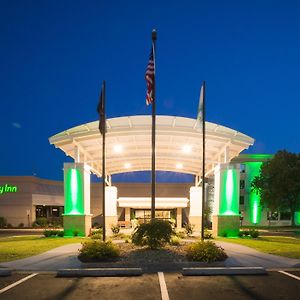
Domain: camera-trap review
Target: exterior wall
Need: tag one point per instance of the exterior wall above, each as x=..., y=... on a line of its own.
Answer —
x=19, y=207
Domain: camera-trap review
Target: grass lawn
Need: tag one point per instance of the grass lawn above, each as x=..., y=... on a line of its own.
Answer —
x=278, y=245
x=12, y=248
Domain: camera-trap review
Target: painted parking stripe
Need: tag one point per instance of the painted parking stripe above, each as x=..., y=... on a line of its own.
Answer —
x=163, y=286
x=17, y=283
x=288, y=274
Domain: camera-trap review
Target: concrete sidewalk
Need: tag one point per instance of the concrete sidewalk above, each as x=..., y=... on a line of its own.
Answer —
x=65, y=257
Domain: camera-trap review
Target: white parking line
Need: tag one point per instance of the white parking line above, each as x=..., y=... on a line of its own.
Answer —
x=288, y=274
x=163, y=286
x=17, y=283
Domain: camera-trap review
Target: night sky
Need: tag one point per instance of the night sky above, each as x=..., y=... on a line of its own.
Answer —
x=55, y=54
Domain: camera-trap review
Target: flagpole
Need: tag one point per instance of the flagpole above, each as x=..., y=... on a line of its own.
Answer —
x=154, y=37
x=103, y=126
x=203, y=161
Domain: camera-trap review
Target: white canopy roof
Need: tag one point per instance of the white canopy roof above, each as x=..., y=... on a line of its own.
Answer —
x=128, y=144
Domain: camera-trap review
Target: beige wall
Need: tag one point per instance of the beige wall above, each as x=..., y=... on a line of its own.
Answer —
x=14, y=206
x=36, y=191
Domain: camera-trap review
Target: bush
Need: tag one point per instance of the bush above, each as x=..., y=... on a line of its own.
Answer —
x=181, y=234
x=75, y=232
x=60, y=233
x=208, y=235
x=3, y=222
x=189, y=229
x=49, y=233
x=42, y=222
x=52, y=232
x=254, y=233
x=97, y=234
x=115, y=229
x=21, y=225
x=98, y=250
x=175, y=240
x=241, y=233
x=154, y=234
x=205, y=251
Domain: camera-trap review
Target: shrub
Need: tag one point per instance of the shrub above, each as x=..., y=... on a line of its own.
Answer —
x=3, y=222
x=60, y=233
x=115, y=229
x=254, y=233
x=21, y=225
x=206, y=251
x=154, y=234
x=224, y=234
x=42, y=222
x=9, y=225
x=175, y=240
x=97, y=234
x=181, y=234
x=49, y=233
x=75, y=232
x=246, y=233
x=241, y=233
x=208, y=235
x=52, y=232
x=189, y=229
x=98, y=250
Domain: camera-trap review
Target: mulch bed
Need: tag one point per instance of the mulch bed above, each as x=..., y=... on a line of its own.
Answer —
x=168, y=259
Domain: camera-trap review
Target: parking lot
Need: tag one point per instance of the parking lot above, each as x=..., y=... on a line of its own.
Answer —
x=275, y=285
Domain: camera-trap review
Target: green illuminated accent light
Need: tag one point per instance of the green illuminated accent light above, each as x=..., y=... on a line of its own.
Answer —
x=229, y=204
x=297, y=218
x=254, y=199
x=74, y=193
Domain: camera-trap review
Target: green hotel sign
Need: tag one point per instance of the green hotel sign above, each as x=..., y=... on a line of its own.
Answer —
x=8, y=189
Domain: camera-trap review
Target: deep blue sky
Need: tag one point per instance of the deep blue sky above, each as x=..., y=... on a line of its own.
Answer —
x=54, y=55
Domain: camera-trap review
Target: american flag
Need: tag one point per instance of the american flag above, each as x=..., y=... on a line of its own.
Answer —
x=149, y=76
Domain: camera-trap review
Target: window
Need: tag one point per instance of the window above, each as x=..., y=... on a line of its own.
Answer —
x=242, y=184
x=242, y=200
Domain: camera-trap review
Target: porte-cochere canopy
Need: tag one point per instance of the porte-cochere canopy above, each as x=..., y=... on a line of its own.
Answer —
x=128, y=144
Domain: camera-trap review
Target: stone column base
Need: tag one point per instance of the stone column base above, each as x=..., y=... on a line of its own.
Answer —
x=110, y=221
x=196, y=221
x=226, y=225
x=77, y=224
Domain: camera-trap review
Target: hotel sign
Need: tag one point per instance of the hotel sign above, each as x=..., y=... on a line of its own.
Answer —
x=8, y=189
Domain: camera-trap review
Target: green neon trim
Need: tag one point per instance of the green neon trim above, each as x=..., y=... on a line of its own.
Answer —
x=254, y=199
x=229, y=204
x=74, y=193
x=297, y=218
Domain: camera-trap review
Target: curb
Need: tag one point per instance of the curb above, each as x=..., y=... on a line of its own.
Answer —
x=5, y=272
x=224, y=271
x=98, y=272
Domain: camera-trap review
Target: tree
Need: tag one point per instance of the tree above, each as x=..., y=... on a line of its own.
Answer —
x=278, y=183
